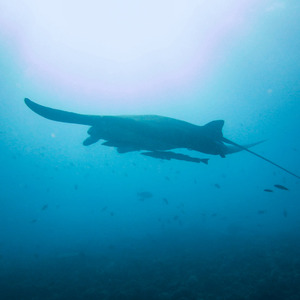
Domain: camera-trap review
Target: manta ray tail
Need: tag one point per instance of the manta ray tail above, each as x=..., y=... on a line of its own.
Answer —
x=260, y=156
x=60, y=115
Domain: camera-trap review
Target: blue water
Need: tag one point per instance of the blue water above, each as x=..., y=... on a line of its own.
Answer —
x=73, y=223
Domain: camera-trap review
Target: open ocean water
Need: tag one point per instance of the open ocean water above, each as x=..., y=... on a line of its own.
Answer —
x=82, y=222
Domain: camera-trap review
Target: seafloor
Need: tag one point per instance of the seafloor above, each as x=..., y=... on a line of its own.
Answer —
x=227, y=267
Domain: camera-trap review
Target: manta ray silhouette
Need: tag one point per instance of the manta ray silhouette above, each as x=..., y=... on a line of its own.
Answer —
x=152, y=133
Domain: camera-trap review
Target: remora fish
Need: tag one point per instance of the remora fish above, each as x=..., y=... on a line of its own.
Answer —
x=168, y=155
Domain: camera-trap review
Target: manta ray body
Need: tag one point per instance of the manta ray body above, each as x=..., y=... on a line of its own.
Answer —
x=153, y=133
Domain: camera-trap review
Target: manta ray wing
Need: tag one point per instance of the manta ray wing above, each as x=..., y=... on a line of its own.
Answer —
x=61, y=115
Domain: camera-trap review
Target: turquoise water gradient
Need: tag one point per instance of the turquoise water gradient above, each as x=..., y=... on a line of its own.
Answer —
x=72, y=223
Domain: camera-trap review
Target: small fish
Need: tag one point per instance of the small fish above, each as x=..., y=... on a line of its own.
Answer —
x=166, y=201
x=281, y=187
x=44, y=207
x=261, y=212
x=268, y=190
x=285, y=213
x=144, y=195
x=217, y=186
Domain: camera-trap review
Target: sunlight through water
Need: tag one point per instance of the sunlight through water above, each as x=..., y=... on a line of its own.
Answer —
x=123, y=50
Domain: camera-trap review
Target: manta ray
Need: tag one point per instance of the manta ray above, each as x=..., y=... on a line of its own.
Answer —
x=155, y=134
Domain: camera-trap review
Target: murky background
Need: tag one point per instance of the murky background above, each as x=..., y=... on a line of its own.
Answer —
x=88, y=223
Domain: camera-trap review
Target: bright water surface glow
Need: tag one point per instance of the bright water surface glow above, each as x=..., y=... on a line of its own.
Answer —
x=124, y=51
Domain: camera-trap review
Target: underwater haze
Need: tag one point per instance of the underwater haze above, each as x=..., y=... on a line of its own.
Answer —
x=87, y=222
